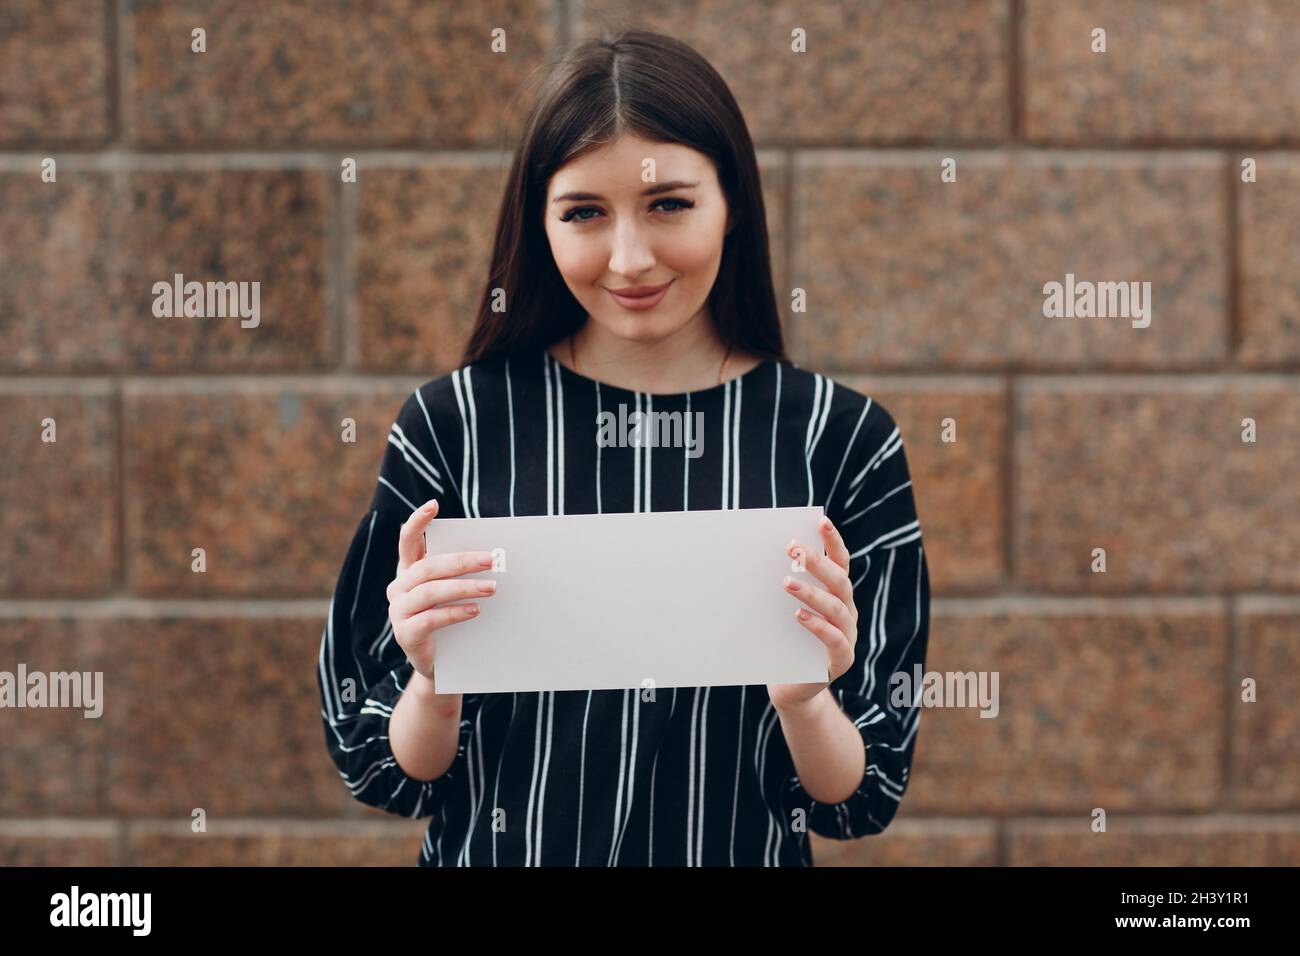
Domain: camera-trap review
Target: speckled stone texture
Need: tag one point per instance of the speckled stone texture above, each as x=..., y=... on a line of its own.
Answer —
x=1269, y=260
x=260, y=478
x=957, y=485
x=1228, y=840
x=908, y=843
x=1266, y=761
x=219, y=713
x=775, y=174
x=873, y=70
x=274, y=843
x=59, y=512
x=57, y=843
x=1160, y=478
x=264, y=226
x=903, y=270
x=54, y=760
x=356, y=72
x=1121, y=708
x=82, y=255
x=1197, y=71
x=424, y=238
x=54, y=69
x=59, y=245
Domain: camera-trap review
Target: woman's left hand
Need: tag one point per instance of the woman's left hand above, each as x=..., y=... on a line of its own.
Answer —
x=830, y=613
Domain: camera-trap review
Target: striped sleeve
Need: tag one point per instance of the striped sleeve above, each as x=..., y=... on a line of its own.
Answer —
x=871, y=505
x=362, y=670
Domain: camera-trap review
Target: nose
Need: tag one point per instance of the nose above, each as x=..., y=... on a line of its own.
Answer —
x=631, y=254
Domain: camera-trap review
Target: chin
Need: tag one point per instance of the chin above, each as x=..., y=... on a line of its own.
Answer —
x=644, y=328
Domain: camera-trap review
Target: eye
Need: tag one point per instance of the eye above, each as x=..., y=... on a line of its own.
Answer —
x=683, y=203
x=681, y=206
x=568, y=216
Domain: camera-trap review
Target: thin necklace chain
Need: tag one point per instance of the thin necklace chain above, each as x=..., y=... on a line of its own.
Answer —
x=573, y=357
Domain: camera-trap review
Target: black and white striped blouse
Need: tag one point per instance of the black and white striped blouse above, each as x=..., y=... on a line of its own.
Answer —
x=701, y=776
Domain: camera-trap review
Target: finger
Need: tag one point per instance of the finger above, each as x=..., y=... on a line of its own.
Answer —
x=837, y=645
x=437, y=618
x=836, y=549
x=440, y=592
x=823, y=602
x=410, y=542
x=825, y=570
x=446, y=564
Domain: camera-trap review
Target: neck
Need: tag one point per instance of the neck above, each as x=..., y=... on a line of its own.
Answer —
x=688, y=360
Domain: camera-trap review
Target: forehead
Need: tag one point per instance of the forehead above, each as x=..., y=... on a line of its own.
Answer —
x=617, y=167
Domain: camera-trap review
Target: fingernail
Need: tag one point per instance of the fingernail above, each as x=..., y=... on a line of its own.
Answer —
x=428, y=505
x=802, y=614
x=485, y=560
x=791, y=583
x=487, y=587
x=826, y=524
x=473, y=609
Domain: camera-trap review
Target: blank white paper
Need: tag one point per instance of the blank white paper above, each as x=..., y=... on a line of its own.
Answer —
x=616, y=601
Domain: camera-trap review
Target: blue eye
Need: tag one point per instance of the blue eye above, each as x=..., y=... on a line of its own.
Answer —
x=684, y=204
x=572, y=214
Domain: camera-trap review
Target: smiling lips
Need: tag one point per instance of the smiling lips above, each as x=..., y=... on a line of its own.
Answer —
x=641, y=297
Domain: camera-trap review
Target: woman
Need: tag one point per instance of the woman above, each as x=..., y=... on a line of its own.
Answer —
x=630, y=268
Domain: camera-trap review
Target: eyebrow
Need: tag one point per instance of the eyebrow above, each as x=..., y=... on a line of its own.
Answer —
x=652, y=191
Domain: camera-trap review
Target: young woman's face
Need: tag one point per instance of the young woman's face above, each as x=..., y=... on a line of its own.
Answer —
x=633, y=233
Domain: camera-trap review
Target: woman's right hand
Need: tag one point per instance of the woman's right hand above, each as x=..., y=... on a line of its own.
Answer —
x=424, y=582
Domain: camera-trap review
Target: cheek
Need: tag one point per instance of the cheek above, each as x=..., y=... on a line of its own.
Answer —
x=693, y=256
x=578, y=261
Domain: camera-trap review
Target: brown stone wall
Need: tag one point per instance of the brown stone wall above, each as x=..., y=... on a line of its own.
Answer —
x=1119, y=690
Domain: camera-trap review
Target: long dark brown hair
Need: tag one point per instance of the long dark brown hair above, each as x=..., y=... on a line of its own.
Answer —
x=660, y=89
